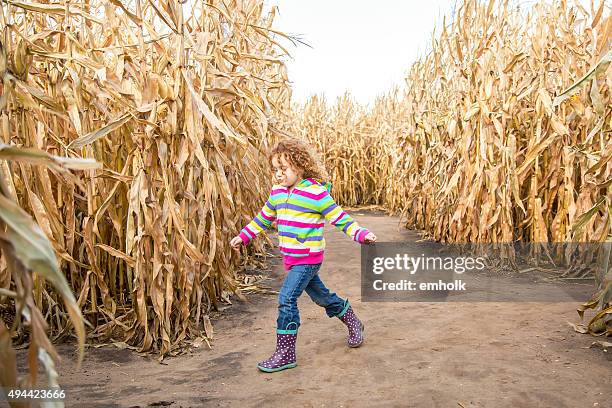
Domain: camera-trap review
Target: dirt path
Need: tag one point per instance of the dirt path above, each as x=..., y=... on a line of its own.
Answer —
x=415, y=354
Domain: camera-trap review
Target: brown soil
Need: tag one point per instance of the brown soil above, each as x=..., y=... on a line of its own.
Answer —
x=415, y=354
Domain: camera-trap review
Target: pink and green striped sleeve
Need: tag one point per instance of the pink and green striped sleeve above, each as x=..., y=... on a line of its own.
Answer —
x=262, y=221
x=340, y=219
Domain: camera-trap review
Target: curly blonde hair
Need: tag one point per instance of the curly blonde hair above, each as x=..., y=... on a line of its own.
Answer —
x=301, y=156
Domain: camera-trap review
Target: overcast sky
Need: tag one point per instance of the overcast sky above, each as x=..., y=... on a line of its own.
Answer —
x=365, y=47
x=362, y=46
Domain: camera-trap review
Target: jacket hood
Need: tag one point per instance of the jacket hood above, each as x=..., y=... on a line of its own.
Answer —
x=326, y=184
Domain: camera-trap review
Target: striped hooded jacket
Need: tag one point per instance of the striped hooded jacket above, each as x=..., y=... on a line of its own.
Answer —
x=300, y=216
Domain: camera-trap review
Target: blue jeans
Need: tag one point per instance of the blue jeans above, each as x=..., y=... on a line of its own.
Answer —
x=302, y=278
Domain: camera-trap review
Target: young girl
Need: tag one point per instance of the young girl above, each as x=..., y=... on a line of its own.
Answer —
x=300, y=204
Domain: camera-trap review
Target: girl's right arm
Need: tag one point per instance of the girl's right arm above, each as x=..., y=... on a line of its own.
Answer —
x=262, y=221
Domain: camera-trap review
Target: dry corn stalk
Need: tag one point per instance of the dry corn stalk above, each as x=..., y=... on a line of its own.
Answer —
x=177, y=101
x=491, y=159
x=26, y=249
x=355, y=143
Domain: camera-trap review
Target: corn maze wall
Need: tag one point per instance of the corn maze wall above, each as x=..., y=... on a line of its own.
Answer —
x=177, y=102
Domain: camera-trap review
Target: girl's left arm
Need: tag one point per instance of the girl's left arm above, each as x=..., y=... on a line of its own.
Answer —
x=336, y=216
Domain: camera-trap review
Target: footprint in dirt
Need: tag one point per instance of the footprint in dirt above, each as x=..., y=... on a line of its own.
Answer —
x=222, y=366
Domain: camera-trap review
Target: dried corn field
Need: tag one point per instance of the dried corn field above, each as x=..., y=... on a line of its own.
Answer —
x=134, y=136
x=355, y=142
x=503, y=133
x=518, y=165
x=174, y=104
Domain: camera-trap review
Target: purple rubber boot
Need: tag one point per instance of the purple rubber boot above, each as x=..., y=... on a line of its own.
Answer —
x=355, y=327
x=283, y=357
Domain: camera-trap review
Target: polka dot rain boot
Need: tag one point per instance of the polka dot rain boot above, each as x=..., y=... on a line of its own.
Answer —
x=355, y=327
x=284, y=356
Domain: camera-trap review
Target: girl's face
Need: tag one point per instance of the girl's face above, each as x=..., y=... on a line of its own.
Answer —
x=285, y=174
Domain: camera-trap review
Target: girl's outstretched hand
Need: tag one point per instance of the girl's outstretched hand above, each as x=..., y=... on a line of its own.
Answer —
x=236, y=242
x=370, y=238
